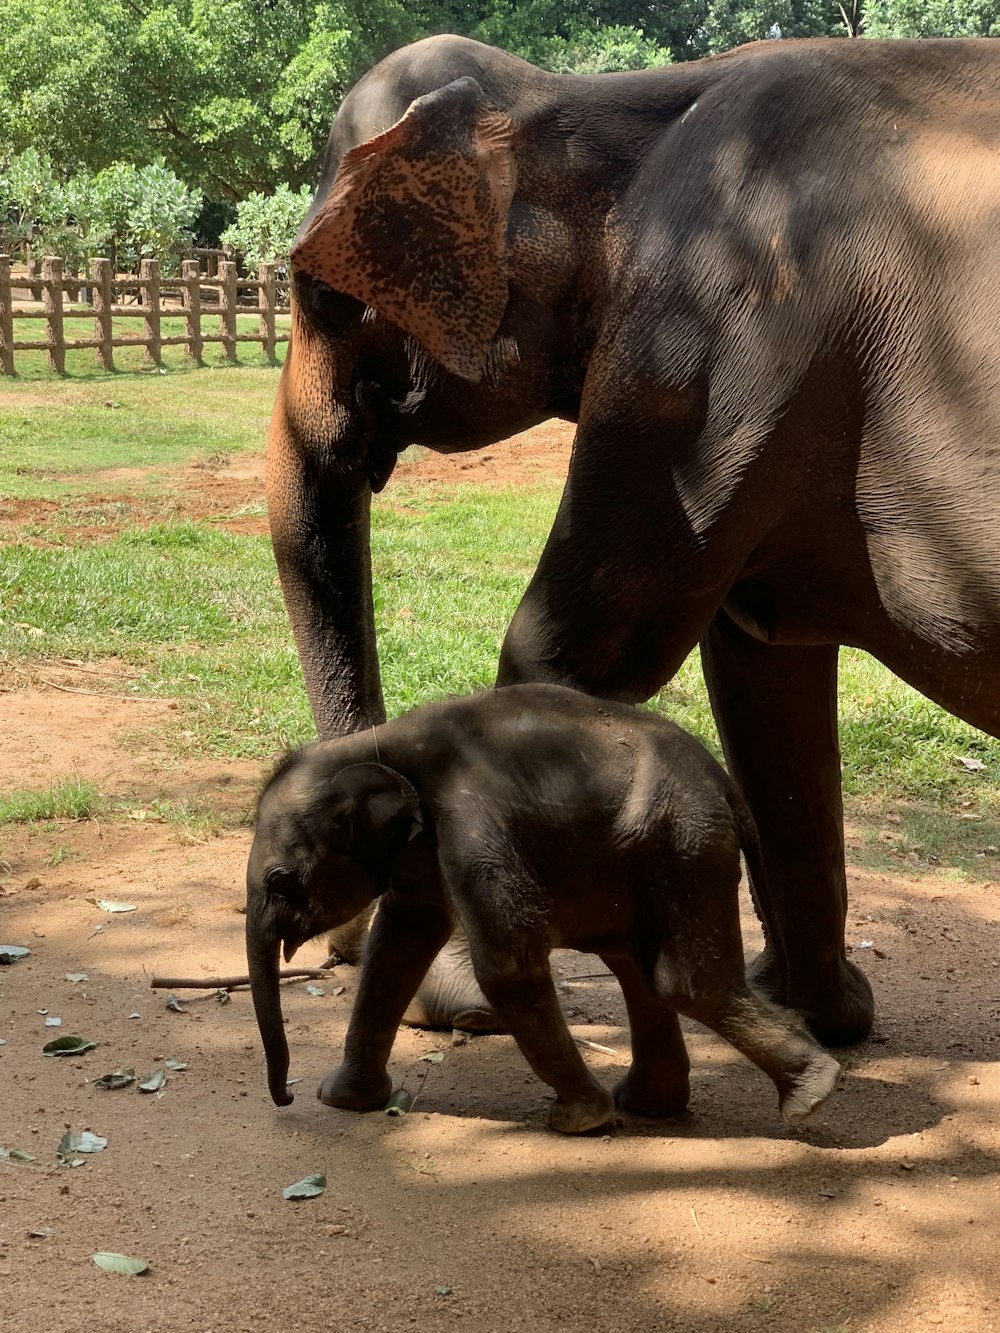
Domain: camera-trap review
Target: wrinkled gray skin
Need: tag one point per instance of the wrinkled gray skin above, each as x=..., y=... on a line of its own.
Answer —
x=536, y=818
x=767, y=287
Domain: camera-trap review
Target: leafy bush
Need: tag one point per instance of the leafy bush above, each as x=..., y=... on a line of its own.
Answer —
x=31, y=200
x=143, y=212
x=932, y=18
x=127, y=213
x=265, y=225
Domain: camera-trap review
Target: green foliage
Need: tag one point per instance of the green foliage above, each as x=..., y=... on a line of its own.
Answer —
x=591, y=36
x=604, y=50
x=31, y=200
x=127, y=213
x=142, y=212
x=265, y=225
x=235, y=95
x=932, y=18
x=729, y=23
x=73, y=798
x=65, y=86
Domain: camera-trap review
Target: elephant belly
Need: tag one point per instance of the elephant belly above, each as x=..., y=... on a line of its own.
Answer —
x=948, y=649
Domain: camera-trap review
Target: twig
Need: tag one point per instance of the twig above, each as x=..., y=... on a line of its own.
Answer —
x=427, y=1070
x=71, y=664
x=694, y=1218
x=593, y=1046
x=99, y=694
x=95, y=694
x=231, y=983
x=587, y=976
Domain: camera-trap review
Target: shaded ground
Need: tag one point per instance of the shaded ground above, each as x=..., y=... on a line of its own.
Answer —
x=466, y=1213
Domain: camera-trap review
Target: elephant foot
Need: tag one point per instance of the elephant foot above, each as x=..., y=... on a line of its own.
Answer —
x=581, y=1114
x=654, y=1096
x=839, y=1009
x=351, y=1091
x=810, y=1089
x=450, y=996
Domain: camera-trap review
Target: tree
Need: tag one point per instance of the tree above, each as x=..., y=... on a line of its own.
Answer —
x=932, y=18
x=234, y=95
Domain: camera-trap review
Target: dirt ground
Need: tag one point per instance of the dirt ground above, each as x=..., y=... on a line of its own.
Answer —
x=466, y=1213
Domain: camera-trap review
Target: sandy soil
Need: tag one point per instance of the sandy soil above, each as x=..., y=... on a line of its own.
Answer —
x=466, y=1213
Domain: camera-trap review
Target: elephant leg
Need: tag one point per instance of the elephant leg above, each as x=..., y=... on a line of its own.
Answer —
x=700, y=973
x=771, y=1037
x=776, y=709
x=657, y=1083
x=404, y=938
x=523, y=995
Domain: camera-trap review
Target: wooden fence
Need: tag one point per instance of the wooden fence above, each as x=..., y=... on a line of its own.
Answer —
x=103, y=295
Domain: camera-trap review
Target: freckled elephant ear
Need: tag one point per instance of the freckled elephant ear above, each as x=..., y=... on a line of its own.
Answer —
x=415, y=225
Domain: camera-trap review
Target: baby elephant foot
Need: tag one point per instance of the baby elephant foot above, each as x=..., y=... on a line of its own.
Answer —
x=581, y=1114
x=351, y=1091
x=657, y=1097
x=803, y=1093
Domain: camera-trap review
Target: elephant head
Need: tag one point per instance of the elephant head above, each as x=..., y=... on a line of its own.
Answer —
x=327, y=839
x=441, y=283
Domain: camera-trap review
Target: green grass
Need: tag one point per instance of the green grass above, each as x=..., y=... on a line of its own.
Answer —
x=71, y=799
x=195, y=614
x=195, y=611
x=60, y=438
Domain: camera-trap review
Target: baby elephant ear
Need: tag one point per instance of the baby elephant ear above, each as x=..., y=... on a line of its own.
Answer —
x=379, y=808
x=415, y=225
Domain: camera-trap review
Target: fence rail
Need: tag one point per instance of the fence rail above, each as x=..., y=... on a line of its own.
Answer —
x=100, y=297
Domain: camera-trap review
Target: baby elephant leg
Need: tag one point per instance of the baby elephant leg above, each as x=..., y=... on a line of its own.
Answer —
x=517, y=982
x=657, y=1084
x=777, y=1042
x=702, y=974
x=405, y=937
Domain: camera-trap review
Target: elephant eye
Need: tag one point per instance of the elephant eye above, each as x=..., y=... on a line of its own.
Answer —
x=282, y=882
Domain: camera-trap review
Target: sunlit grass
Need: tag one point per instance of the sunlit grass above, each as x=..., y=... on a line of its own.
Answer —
x=61, y=438
x=73, y=798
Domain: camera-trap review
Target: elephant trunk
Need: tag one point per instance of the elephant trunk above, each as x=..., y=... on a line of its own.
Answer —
x=263, y=957
x=319, y=498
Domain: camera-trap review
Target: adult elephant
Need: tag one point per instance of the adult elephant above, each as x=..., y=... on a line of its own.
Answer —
x=767, y=286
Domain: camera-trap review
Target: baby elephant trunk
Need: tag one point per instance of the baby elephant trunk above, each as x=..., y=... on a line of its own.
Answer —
x=263, y=957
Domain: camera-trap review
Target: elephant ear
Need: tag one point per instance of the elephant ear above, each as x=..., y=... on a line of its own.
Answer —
x=415, y=225
x=375, y=810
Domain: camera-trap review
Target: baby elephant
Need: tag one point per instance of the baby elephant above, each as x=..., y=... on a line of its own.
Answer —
x=533, y=817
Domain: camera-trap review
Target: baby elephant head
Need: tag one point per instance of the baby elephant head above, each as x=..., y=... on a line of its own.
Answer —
x=326, y=840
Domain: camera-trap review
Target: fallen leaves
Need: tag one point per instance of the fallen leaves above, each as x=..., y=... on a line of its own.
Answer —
x=307, y=1188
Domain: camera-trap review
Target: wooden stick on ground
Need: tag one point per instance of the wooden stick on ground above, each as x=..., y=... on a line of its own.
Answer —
x=230, y=983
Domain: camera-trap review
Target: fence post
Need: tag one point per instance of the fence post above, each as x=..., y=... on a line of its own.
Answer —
x=266, y=299
x=149, y=271
x=52, y=304
x=227, y=307
x=191, y=278
x=6, y=319
x=34, y=286
x=103, y=297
